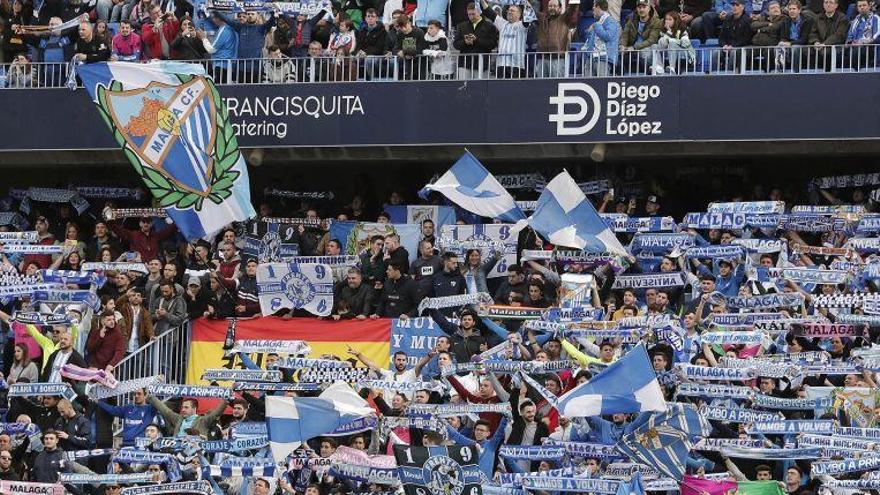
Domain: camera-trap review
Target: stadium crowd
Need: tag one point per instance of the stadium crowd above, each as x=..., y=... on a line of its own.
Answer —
x=185, y=281
x=434, y=38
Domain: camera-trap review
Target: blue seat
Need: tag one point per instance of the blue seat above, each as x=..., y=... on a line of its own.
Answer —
x=710, y=42
x=851, y=11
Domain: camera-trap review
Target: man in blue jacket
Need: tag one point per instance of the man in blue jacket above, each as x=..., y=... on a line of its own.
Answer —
x=602, y=42
x=251, y=37
x=135, y=417
x=487, y=446
x=224, y=48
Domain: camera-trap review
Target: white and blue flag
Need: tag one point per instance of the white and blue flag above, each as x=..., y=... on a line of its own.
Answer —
x=566, y=217
x=171, y=123
x=628, y=385
x=469, y=185
x=291, y=421
x=306, y=286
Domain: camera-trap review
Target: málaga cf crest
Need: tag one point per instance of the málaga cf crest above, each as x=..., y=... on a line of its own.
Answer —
x=185, y=152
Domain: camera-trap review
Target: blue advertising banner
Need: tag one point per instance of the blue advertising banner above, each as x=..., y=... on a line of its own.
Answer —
x=478, y=112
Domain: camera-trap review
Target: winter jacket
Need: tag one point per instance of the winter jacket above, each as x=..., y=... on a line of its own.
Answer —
x=829, y=30
x=175, y=316
x=802, y=35
x=174, y=421
x=423, y=270
x=735, y=32
x=553, y=31
x=145, y=244
x=78, y=430
x=250, y=36
x=431, y=10
x=245, y=288
x=604, y=38
x=650, y=32
x=349, y=302
x=766, y=30
x=188, y=48
x=486, y=41
x=47, y=465
x=107, y=350
x=445, y=283
x=398, y=297
x=146, y=332
x=372, y=41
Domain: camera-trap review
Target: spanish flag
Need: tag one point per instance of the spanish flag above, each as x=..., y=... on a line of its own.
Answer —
x=371, y=337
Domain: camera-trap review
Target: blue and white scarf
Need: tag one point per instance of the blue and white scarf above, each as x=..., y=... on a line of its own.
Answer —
x=815, y=276
x=621, y=223
x=846, y=181
x=454, y=301
x=864, y=244
x=713, y=391
x=199, y=391
x=236, y=445
x=202, y=487
x=779, y=427
x=736, y=415
x=532, y=452
x=696, y=373
x=845, y=466
x=36, y=389
x=650, y=280
x=869, y=225
x=515, y=479
x=715, y=220
x=717, y=444
x=765, y=301
x=306, y=363
x=727, y=252
x=365, y=474
x=855, y=444
x=772, y=454
x=737, y=338
x=116, y=266
x=297, y=347
x=765, y=222
x=329, y=375
x=15, y=248
x=583, y=485
x=98, y=392
x=95, y=479
x=227, y=375
x=447, y=410
x=99, y=192
x=660, y=243
x=586, y=449
x=275, y=387
x=748, y=207
x=332, y=261
x=61, y=296
x=521, y=181
x=72, y=455
x=72, y=277
x=18, y=237
x=761, y=246
x=134, y=456
x=399, y=386
x=813, y=223
x=49, y=195
x=784, y=404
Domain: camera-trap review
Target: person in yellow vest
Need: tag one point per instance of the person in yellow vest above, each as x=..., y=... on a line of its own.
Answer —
x=47, y=344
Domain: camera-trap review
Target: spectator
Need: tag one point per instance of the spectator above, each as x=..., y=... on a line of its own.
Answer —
x=408, y=47
x=736, y=32
x=353, y=299
x=137, y=323
x=674, y=52
x=106, y=344
x=223, y=49
x=144, y=241
x=766, y=27
x=139, y=14
x=641, y=32
x=50, y=461
x=168, y=310
x=73, y=428
x=399, y=295
x=372, y=43
x=553, y=37
x=830, y=29
x=136, y=417
x=301, y=34
x=158, y=34
x=126, y=44
x=601, y=46
x=54, y=48
x=221, y=303
x=448, y=281
x=431, y=10
x=21, y=73
x=188, y=418
x=425, y=266
x=22, y=368
x=341, y=46
x=476, y=271
x=44, y=238
x=707, y=25
x=863, y=33
x=196, y=298
x=395, y=253
x=191, y=43
x=795, y=32
x=65, y=354
x=245, y=289
x=7, y=471
x=278, y=69
x=251, y=33
x=111, y=10
x=437, y=48
x=512, y=33
x=473, y=38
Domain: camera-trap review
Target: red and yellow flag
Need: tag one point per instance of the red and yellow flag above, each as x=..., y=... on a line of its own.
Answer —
x=371, y=337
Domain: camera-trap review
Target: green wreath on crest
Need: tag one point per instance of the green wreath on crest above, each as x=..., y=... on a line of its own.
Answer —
x=168, y=194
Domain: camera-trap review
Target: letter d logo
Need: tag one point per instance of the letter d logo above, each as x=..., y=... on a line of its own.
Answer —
x=563, y=98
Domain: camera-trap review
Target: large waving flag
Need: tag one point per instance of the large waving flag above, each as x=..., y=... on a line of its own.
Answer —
x=663, y=448
x=565, y=217
x=290, y=421
x=469, y=185
x=627, y=385
x=171, y=123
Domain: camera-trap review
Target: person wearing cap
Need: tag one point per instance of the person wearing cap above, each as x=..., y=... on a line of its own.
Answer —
x=707, y=25
x=736, y=32
x=44, y=238
x=652, y=205
x=196, y=298
x=641, y=32
x=145, y=240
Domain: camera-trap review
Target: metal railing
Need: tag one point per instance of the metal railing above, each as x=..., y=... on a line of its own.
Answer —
x=579, y=64
x=167, y=354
